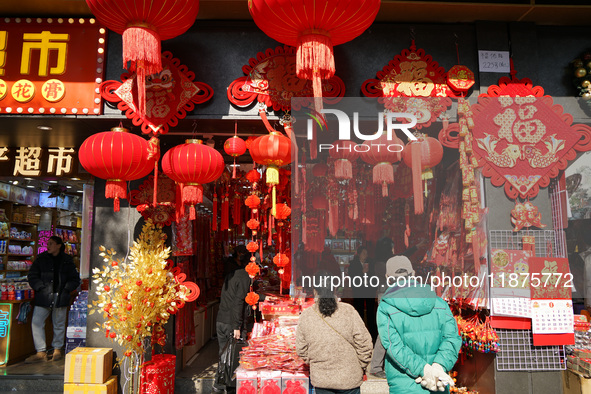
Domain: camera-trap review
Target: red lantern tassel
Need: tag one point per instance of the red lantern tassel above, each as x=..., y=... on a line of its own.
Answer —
x=417, y=181
x=116, y=189
x=315, y=58
x=343, y=169
x=225, y=213
x=192, y=194
x=383, y=173
x=333, y=218
x=234, y=169
x=214, y=220
x=141, y=46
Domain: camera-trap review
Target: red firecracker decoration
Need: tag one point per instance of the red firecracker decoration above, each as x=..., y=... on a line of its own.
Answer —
x=280, y=261
x=272, y=150
x=143, y=25
x=252, y=299
x=252, y=269
x=118, y=157
x=314, y=27
x=192, y=164
x=381, y=153
x=234, y=146
x=344, y=153
x=421, y=155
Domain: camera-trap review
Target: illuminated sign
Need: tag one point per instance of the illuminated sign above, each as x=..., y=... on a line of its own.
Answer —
x=34, y=161
x=51, y=65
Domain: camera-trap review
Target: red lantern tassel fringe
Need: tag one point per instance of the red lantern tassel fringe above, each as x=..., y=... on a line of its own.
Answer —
x=225, y=213
x=333, y=218
x=315, y=58
x=417, y=179
x=141, y=46
x=214, y=220
x=116, y=189
x=383, y=173
x=343, y=169
x=192, y=194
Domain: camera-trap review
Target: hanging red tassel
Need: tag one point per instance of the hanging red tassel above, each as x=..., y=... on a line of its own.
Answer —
x=417, y=180
x=333, y=218
x=192, y=194
x=141, y=46
x=225, y=213
x=383, y=173
x=234, y=170
x=214, y=221
x=343, y=169
x=116, y=189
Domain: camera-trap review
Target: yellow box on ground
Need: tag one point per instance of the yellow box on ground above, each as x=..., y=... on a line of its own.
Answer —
x=88, y=365
x=109, y=387
x=574, y=383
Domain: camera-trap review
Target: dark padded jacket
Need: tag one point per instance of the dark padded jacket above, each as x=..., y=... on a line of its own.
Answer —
x=232, y=303
x=41, y=279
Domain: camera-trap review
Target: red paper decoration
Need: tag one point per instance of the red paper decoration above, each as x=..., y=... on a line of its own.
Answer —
x=157, y=375
x=314, y=27
x=191, y=165
x=414, y=74
x=234, y=146
x=283, y=212
x=381, y=153
x=460, y=78
x=521, y=138
x=252, y=299
x=143, y=25
x=253, y=224
x=252, y=247
x=421, y=155
x=526, y=215
x=272, y=150
x=344, y=154
x=280, y=261
x=252, y=269
x=170, y=94
x=252, y=201
x=118, y=157
x=271, y=79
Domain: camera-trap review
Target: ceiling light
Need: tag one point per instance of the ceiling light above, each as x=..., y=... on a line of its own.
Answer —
x=31, y=186
x=15, y=182
x=80, y=191
x=29, y=179
x=52, y=181
x=75, y=179
x=45, y=128
x=68, y=187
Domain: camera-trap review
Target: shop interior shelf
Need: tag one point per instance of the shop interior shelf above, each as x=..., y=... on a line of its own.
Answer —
x=23, y=240
x=23, y=224
x=20, y=255
x=14, y=270
x=14, y=301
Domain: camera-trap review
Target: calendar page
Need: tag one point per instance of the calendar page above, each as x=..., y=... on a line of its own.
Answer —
x=552, y=316
x=513, y=306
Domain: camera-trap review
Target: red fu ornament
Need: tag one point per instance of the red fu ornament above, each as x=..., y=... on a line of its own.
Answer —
x=272, y=150
x=421, y=155
x=314, y=27
x=118, y=157
x=191, y=165
x=143, y=25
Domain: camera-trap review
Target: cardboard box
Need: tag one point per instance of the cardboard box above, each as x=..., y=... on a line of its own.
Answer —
x=574, y=383
x=290, y=381
x=109, y=387
x=88, y=365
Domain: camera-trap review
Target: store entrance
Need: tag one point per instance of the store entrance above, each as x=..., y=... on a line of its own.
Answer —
x=32, y=211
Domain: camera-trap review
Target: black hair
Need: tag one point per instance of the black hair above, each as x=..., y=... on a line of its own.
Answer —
x=327, y=301
x=361, y=249
x=384, y=249
x=58, y=241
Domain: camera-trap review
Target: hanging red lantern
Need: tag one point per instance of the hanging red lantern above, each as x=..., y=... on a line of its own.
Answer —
x=320, y=170
x=118, y=157
x=191, y=165
x=381, y=153
x=252, y=269
x=283, y=212
x=234, y=146
x=280, y=261
x=252, y=201
x=252, y=247
x=253, y=224
x=421, y=155
x=252, y=299
x=253, y=176
x=344, y=153
x=320, y=202
x=272, y=150
x=143, y=25
x=314, y=27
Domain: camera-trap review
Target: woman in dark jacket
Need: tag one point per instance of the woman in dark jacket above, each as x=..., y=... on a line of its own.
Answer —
x=364, y=297
x=53, y=276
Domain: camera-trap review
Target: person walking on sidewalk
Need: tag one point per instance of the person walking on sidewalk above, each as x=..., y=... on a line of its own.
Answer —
x=333, y=340
x=418, y=331
x=53, y=276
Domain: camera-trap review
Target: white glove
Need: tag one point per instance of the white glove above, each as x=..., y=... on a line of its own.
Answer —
x=442, y=376
x=429, y=378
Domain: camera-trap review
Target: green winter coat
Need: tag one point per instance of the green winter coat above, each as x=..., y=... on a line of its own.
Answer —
x=416, y=327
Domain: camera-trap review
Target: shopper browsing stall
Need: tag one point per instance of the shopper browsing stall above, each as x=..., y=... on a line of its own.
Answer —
x=53, y=276
x=333, y=340
x=418, y=331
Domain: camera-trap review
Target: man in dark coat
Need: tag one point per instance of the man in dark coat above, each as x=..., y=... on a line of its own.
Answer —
x=53, y=276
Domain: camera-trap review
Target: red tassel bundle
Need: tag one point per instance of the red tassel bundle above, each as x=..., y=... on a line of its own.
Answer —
x=192, y=194
x=116, y=189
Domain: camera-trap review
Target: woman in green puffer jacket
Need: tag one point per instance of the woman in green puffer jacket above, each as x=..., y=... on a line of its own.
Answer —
x=418, y=331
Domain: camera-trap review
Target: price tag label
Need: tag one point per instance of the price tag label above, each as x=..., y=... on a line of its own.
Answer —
x=494, y=61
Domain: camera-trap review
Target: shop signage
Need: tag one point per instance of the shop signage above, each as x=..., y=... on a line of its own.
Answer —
x=5, y=312
x=51, y=66
x=34, y=161
x=494, y=62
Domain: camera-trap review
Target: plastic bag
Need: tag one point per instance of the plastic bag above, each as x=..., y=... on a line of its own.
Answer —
x=229, y=361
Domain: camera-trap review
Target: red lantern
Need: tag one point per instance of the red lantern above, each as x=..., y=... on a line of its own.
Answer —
x=252, y=201
x=421, y=155
x=280, y=261
x=253, y=224
x=143, y=25
x=234, y=146
x=320, y=170
x=381, y=153
x=253, y=176
x=283, y=212
x=252, y=299
x=118, y=157
x=314, y=27
x=272, y=150
x=343, y=151
x=191, y=165
x=252, y=247
x=252, y=269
